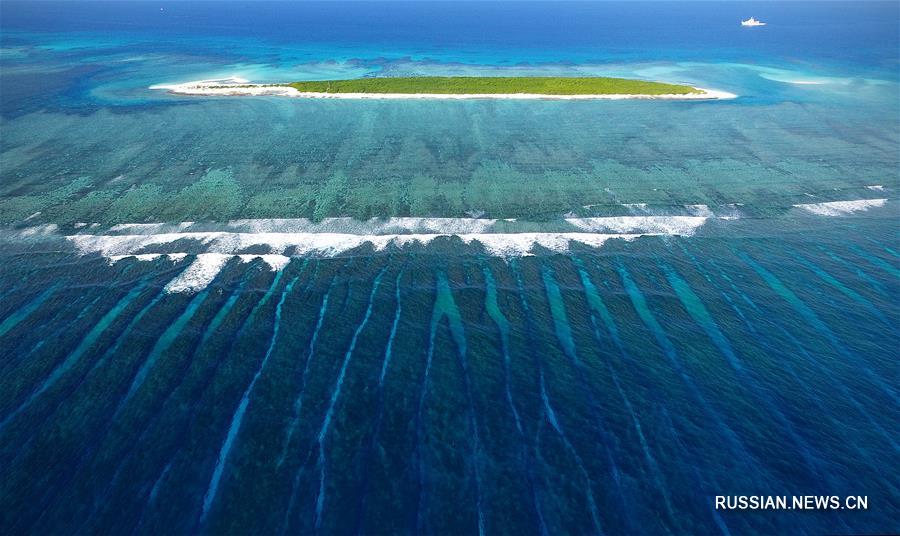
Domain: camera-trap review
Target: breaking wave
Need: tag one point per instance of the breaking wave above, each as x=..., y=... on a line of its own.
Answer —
x=206, y=267
x=276, y=241
x=670, y=225
x=841, y=208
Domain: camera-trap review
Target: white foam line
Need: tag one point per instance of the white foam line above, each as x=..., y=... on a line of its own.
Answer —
x=406, y=225
x=241, y=88
x=48, y=229
x=215, y=248
x=330, y=244
x=225, y=246
x=199, y=274
x=141, y=257
x=125, y=245
x=876, y=187
x=148, y=228
x=396, y=225
x=675, y=225
x=841, y=208
x=274, y=262
x=699, y=210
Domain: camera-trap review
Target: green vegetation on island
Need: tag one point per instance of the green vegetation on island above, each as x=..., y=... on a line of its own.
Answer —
x=480, y=85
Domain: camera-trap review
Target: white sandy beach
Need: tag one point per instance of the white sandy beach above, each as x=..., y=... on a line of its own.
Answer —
x=239, y=87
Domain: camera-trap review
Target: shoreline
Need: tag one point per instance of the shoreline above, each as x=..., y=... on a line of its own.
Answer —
x=238, y=87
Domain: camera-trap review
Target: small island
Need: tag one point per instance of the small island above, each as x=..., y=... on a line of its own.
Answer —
x=453, y=87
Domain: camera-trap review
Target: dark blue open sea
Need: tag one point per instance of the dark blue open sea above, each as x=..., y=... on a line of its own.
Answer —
x=263, y=315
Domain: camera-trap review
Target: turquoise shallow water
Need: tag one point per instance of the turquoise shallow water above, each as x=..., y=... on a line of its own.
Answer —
x=236, y=315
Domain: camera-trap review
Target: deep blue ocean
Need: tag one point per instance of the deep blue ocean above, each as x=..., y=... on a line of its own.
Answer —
x=264, y=315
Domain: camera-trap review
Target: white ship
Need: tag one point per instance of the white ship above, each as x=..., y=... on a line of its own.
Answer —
x=752, y=22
